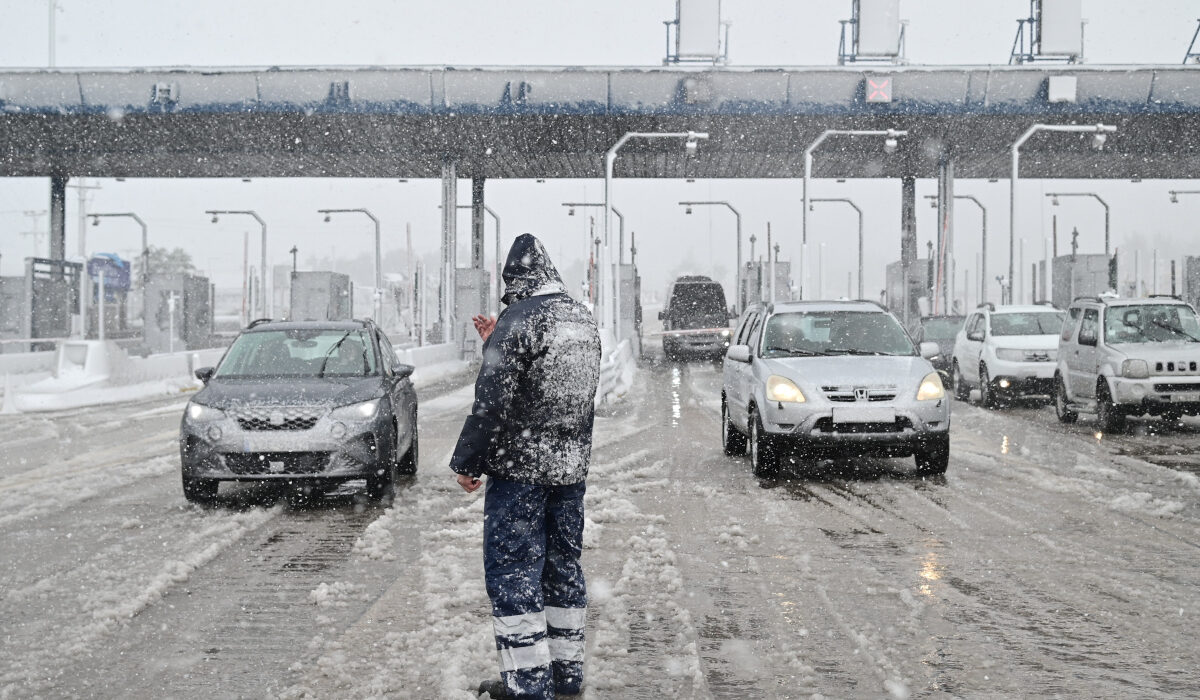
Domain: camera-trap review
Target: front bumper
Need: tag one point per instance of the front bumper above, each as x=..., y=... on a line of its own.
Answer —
x=822, y=426
x=1022, y=377
x=698, y=344
x=1158, y=394
x=237, y=454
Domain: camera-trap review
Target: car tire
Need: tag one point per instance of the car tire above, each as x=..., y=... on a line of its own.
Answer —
x=1111, y=418
x=733, y=442
x=987, y=392
x=1062, y=407
x=381, y=481
x=962, y=391
x=933, y=455
x=764, y=453
x=407, y=464
x=199, y=490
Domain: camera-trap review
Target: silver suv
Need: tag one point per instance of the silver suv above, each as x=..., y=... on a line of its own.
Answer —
x=1128, y=357
x=826, y=376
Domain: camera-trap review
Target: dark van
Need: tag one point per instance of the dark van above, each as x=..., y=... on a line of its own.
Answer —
x=695, y=321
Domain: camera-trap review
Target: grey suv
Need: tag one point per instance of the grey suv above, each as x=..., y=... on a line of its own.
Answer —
x=1128, y=357
x=301, y=401
x=831, y=377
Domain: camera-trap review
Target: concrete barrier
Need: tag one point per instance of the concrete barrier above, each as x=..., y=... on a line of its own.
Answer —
x=27, y=362
x=429, y=354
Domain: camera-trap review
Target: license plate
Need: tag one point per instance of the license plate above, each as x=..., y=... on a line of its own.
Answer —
x=276, y=466
x=1186, y=398
x=863, y=414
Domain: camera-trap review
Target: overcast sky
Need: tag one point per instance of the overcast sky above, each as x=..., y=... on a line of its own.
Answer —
x=149, y=33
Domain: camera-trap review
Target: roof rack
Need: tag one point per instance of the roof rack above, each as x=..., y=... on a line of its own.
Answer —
x=1176, y=297
x=987, y=305
x=1098, y=300
x=258, y=322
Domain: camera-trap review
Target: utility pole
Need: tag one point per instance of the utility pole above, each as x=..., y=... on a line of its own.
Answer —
x=293, y=251
x=81, y=188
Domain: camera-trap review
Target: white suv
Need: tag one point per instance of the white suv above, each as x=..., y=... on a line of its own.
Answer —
x=1123, y=357
x=1006, y=351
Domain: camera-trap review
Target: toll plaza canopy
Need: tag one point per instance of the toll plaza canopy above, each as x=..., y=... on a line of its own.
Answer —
x=558, y=122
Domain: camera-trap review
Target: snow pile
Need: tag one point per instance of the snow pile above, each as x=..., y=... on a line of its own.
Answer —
x=336, y=595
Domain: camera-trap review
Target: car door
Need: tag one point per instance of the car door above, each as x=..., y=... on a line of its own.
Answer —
x=730, y=369
x=740, y=374
x=1068, y=348
x=1086, y=356
x=400, y=389
x=972, y=348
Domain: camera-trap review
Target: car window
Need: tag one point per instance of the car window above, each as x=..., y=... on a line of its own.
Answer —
x=744, y=328
x=1091, y=320
x=1157, y=323
x=390, y=359
x=1070, y=323
x=299, y=353
x=835, y=333
x=973, y=324
x=943, y=328
x=752, y=340
x=1027, y=323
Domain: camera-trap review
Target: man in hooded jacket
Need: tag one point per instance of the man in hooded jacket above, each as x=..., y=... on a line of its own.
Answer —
x=530, y=432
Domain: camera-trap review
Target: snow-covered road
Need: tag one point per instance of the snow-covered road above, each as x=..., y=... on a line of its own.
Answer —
x=1049, y=560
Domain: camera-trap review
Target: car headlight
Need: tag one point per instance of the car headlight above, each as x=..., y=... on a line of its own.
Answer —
x=203, y=414
x=357, y=411
x=931, y=388
x=783, y=389
x=1135, y=369
x=725, y=334
x=1010, y=355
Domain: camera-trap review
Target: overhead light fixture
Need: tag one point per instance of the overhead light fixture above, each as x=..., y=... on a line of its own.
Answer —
x=214, y=219
x=1174, y=197
x=890, y=144
x=95, y=221
x=540, y=180
x=1098, y=140
x=688, y=210
x=326, y=218
x=571, y=211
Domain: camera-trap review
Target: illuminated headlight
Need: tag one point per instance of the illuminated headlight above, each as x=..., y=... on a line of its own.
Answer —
x=725, y=334
x=1010, y=355
x=783, y=389
x=1135, y=369
x=357, y=411
x=931, y=388
x=202, y=414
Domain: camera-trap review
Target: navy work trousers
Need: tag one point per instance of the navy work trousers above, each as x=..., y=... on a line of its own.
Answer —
x=532, y=539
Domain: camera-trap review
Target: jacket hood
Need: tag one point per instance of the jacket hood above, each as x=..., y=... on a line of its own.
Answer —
x=331, y=392
x=528, y=271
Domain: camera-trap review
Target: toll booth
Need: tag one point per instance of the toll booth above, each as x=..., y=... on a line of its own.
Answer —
x=321, y=296
x=918, y=291
x=756, y=282
x=178, y=313
x=51, y=299
x=117, y=283
x=470, y=299
x=1078, y=276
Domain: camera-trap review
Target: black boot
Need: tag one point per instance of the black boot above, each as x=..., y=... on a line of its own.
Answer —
x=494, y=689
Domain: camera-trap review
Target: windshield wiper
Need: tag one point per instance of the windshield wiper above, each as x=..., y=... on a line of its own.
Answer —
x=1178, y=331
x=332, y=349
x=848, y=351
x=796, y=351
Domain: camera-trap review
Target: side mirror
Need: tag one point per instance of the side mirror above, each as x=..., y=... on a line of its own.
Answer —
x=403, y=371
x=976, y=336
x=205, y=373
x=738, y=353
x=929, y=350
x=662, y=315
x=1087, y=336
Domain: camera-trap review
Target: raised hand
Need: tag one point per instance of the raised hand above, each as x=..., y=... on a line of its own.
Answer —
x=484, y=325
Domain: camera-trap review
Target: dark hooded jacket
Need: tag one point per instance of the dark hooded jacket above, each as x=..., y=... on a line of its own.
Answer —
x=534, y=398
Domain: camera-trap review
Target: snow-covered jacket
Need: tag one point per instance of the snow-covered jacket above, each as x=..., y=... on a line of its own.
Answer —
x=533, y=412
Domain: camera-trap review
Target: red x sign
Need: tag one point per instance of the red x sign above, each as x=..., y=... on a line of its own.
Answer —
x=879, y=89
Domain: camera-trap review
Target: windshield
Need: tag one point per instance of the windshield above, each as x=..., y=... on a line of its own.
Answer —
x=1159, y=323
x=944, y=328
x=835, y=333
x=299, y=353
x=1027, y=323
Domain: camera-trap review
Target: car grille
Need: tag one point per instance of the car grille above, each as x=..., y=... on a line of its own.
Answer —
x=848, y=394
x=1167, y=387
x=826, y=425
x=1174, y=366
x=1040, y=355
x=261, y=462
x=277, y=417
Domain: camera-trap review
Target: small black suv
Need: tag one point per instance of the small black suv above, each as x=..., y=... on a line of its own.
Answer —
x=304, y=402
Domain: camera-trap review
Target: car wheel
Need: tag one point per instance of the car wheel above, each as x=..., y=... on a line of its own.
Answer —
x=933, y=455
x=764, y=453
x=987, y=392
x=408, y=463
x=1062, y=406
x=1112, y=419
x=381, y=480
x=199, y=490
x=733, y=441
x=962, y=391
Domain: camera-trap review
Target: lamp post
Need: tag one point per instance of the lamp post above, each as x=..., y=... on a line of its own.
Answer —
x=890, y=145
x=860, y=233
x=691, y=144
x=499, y=262
x=983, y=240
x=378, y=256
x=1054, y=202
x=620, y=224
x=145, y=245
x=1099, y=136
x=262, y=295
x=737, y=278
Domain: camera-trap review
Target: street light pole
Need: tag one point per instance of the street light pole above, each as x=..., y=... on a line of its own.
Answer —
x=609, y=156
x=620, y=224
x=983, y=241
x=860, y=233
x=499, y=263
x=378, y=256
x=145, y=244
x=1054, y=202
x=889, y=146
x=737, y=278
x=264, y=309
x=1099, y=136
